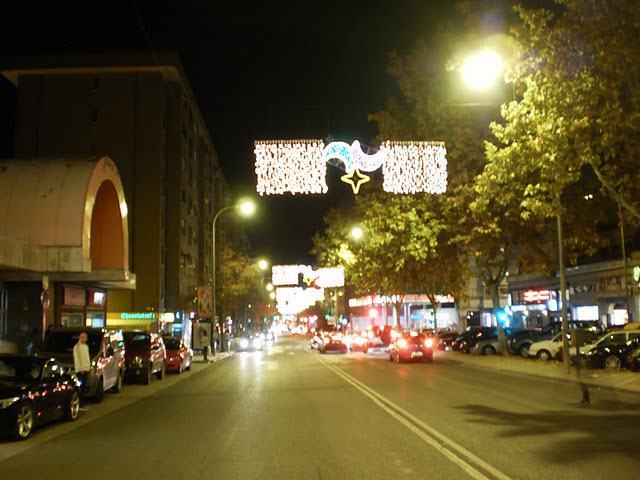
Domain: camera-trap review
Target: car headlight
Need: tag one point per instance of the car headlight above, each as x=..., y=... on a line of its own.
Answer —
x=257, y=343
x=7, y=402
x=244, y=343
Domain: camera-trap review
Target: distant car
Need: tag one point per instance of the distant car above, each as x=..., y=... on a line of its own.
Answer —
x=334, y=343
x=179, y=356
x=35, y=391
x=267, y=337
x=107, y=352
x=249, y=344
x=360, y=342
x=611, y=357
x=407, y=348
x=146, y=355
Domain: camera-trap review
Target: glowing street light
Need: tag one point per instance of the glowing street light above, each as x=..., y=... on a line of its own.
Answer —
x=246, y=207
x=356, y=232
x=482, y=70
x=263, y=264
x=270, y=287
x=272, y=295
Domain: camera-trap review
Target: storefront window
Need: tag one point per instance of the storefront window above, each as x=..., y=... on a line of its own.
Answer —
x=587, y=312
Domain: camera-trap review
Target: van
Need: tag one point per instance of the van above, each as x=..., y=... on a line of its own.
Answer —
x=107, y=352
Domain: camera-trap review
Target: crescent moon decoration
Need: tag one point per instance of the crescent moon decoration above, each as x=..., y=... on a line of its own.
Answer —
x=300, y=166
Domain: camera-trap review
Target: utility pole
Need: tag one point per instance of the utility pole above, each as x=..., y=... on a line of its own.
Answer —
x=563, y=299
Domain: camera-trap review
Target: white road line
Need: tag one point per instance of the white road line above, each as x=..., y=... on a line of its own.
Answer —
x=441, y=443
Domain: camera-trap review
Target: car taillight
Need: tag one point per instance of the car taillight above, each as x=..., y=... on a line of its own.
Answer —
x=402, y=343
x=428, y=343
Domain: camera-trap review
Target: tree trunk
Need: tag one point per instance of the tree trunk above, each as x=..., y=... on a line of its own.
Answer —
x=434, y=306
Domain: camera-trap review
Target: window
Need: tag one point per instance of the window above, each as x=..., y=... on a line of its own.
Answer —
x=184, y=195
x=183, y=226
x=614, y=339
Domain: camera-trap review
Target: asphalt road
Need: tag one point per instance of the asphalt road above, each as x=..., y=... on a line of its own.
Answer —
x=291, y=413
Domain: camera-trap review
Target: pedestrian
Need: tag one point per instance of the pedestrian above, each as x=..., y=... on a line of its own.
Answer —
x=82, y=366
x=33, y=343
x=204, y=341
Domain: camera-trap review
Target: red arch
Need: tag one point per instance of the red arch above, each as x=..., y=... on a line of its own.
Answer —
x=107, y=240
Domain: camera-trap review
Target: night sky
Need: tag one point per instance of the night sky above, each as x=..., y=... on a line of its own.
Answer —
x=259, y=70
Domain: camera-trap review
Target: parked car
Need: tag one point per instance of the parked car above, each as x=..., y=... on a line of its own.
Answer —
x=146, y=355
x=107, y=352
x=35, y=391
x=612, y=356
x=179, y=356
x=607, y=338
x=546, y=349
x=468, y=339
x=407, y=348
x=446, y=340
x=521, y=341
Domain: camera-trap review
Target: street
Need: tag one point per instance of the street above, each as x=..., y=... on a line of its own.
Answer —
x=290, y=412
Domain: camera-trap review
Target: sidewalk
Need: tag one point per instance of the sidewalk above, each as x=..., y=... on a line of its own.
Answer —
x=553, y=370
x=199, y=359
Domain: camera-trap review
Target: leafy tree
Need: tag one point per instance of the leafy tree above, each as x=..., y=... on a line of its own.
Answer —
x=237, y=280
x=577, y=76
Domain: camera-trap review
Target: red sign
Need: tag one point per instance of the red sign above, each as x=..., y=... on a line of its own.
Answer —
x=536, y=296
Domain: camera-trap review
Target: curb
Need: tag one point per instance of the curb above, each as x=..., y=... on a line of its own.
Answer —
x=573, y=380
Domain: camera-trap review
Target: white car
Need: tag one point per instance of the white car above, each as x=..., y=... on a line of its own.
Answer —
x=619, y=337
x=546, y=349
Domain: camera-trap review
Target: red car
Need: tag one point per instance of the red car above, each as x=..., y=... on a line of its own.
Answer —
x=412, y=347
x=178, y=355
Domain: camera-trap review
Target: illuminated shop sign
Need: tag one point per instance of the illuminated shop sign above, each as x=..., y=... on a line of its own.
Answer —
x=536, y=296
x=137, y=316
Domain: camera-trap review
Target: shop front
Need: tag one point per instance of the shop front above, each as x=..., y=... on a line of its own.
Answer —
x=534, y=307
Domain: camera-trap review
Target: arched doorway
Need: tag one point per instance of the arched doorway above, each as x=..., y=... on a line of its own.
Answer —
x=107, y=241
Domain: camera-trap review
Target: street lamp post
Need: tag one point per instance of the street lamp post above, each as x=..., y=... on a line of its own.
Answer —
x=246, y=208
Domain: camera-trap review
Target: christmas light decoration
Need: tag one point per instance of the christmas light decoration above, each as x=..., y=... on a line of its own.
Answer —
x=412, y=167
x=293, y=166
x=300, y=166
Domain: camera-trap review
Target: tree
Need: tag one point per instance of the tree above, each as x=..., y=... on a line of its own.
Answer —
x=577, y=76
x=238, y=280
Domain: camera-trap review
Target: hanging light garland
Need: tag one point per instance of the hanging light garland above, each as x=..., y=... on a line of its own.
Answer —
x=300, y=166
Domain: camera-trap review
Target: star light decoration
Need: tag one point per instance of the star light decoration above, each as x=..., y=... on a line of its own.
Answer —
x=300, y=166
x=293, y=166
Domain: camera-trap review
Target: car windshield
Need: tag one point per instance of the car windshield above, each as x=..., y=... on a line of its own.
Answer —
x=18, y=369
x=172, y=344
x=137, y=340
x=63, y=342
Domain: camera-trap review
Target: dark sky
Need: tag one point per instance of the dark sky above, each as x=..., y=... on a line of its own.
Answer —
x=260, y=70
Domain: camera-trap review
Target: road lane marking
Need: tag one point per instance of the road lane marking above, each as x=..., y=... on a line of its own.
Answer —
x=427, y=433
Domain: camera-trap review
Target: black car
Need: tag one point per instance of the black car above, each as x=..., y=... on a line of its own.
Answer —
x=612, y=356
x=333, y=344
x=469, y=338
x=250, y=343
x=521, y=340
x=446, y=340
x=35, y=391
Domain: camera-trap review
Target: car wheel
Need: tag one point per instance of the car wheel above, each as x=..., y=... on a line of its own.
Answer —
x=24, y=421
x=72, y=408
x=147, y=378
x=99, y=391
x=488, y=350
x=524, y=350
x=612, y=363
x=160, y=374
x=390, y=358
x=544, y=355
x=117, y=388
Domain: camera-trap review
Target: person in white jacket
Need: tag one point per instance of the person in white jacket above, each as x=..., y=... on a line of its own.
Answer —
x=82, y=364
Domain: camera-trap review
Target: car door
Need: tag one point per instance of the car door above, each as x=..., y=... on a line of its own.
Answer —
x=110, y=363
x=52, y=396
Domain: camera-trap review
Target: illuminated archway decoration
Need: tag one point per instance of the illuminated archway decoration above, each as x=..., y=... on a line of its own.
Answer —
x=299, y=166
